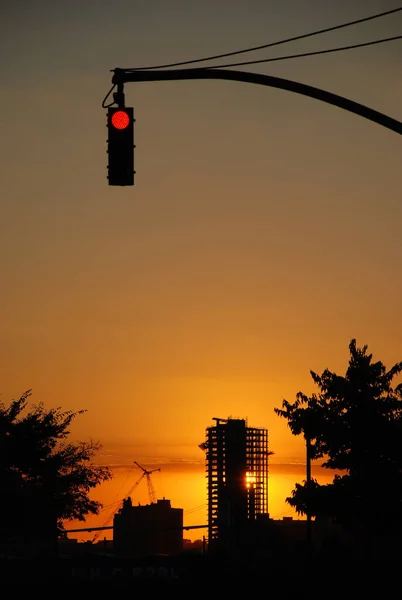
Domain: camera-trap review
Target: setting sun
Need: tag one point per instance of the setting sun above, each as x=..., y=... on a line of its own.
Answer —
x=250, y=479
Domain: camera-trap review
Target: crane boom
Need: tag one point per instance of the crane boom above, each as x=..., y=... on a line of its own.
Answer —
x=130, y=491
x=146, y=471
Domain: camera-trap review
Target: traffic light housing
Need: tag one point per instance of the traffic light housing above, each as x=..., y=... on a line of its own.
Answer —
x=120, y=126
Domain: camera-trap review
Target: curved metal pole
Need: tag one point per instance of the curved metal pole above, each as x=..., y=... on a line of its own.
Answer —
x=120, y=77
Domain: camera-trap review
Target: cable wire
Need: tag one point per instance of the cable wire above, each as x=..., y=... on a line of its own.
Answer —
x=107, y=96
x=315, y=53
x=270, y=45
x=195, y=509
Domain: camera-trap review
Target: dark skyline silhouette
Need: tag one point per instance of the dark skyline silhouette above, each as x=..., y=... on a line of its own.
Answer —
x=353, y=424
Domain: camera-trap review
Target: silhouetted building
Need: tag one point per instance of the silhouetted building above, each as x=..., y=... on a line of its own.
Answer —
x=237, y=474
x=146, y=530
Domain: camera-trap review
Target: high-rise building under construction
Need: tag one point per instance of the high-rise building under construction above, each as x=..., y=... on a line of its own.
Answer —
x=237, y=476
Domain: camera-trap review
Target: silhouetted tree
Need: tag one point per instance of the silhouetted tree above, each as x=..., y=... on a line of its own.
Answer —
x=355, y=424
x=44, y=479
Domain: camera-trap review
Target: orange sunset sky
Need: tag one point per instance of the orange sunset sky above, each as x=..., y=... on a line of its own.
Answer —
x=263, y=232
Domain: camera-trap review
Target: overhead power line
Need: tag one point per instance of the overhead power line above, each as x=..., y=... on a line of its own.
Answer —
x=271, y=44
x=315, y=53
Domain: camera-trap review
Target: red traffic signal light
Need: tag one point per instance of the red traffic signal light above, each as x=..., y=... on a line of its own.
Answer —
x=120, y=119
x=120, y=124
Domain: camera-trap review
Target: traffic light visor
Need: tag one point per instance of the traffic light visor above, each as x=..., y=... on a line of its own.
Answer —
x=120, y=119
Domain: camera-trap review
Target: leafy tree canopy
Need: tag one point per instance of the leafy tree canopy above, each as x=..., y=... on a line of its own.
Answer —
x=46, y=479
x=354, y=422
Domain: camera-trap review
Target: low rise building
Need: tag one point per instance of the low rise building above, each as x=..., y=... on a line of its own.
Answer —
x=148, y=530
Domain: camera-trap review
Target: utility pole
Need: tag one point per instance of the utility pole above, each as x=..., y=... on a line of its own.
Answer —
x=308, y=480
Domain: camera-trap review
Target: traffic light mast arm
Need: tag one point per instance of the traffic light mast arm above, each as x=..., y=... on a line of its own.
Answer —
x=121, y=77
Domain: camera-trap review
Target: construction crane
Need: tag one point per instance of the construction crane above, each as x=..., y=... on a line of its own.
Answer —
x=151, y=493
x=147, y=474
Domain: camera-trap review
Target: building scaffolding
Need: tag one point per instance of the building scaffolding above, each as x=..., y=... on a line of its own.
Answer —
x=237, y=477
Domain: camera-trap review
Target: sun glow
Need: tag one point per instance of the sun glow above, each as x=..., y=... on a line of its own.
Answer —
x=250, y=479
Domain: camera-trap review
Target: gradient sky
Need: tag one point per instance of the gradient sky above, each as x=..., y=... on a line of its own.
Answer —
x=263, y=232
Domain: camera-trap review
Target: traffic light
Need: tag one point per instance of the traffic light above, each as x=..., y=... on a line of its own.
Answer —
x=120, y=125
